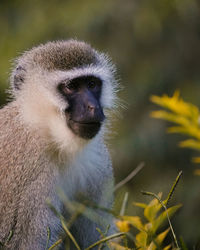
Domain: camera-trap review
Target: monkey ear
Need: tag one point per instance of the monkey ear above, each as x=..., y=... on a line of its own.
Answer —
x=18, y=77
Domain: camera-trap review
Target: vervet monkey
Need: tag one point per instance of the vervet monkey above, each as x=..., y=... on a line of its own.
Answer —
x=52, y=136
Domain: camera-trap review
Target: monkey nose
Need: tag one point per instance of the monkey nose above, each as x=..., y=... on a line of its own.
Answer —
x=91, y=107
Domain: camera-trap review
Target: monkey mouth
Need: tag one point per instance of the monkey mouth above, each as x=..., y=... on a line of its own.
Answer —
x=86, y=130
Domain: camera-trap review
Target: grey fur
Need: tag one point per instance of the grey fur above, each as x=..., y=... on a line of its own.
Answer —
x=30, y=164
x=60, y=55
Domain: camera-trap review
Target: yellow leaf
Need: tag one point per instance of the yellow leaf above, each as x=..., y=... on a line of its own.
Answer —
x=134, y=221
x=152, y=209
x=163, y=217
x=196, y=159
x=155, y=201
x=138, y=204
x=148, y=227
x=123, y=225
x=165, y=101
x=150, y=212
x=177, y=105
x=116, y=246
x=197, y=172
x=160, y=238
x=167, y=247
x=160, y=114
x=158, y=241
x=152, y=246
x=141, y=239
x=190, y=144
x=191, y=130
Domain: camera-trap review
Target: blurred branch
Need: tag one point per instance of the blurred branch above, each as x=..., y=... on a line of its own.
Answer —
x=130, y=176
x=122, y=211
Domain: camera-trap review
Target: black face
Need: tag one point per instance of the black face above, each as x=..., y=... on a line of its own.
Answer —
x=84, y=113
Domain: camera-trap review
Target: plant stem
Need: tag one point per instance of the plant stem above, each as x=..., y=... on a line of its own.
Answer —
x=69, y=234
x=173, y=187
x=48, y=237
x=105, y=239
x=55, y=244
x=130, y=176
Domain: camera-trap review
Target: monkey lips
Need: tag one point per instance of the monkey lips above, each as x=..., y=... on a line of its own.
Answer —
x=86, y=130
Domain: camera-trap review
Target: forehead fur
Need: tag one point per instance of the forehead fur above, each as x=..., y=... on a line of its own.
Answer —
x=63, y=59
x=60, y=55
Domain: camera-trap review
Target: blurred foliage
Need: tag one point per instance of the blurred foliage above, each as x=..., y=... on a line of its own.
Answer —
x=155, y=45
x=148, y=238
x=151, y=235
x=185, y=115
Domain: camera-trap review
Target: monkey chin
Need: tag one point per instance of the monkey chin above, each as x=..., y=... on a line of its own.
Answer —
x=83, y=130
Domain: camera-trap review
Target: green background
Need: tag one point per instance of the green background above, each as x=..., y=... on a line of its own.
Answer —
x=155, y=45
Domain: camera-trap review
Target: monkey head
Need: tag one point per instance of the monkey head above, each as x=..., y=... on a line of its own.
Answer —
x=64, y=88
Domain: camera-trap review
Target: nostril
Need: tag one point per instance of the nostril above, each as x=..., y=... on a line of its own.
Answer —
x=91, y=107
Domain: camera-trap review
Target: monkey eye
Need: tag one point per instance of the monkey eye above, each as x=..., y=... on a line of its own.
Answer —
x=68, y=87
x=92, y=84
x=72, y=85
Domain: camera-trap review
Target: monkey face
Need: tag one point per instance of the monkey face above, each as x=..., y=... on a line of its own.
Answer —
x=84, y=113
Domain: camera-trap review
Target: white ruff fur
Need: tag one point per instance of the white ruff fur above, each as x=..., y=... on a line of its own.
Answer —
x=88, y=165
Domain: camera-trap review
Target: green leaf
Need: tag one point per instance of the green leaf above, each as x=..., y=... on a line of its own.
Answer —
x=183, y=245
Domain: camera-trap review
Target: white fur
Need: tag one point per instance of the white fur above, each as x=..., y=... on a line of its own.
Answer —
x=40, y=112
x=88, y=164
